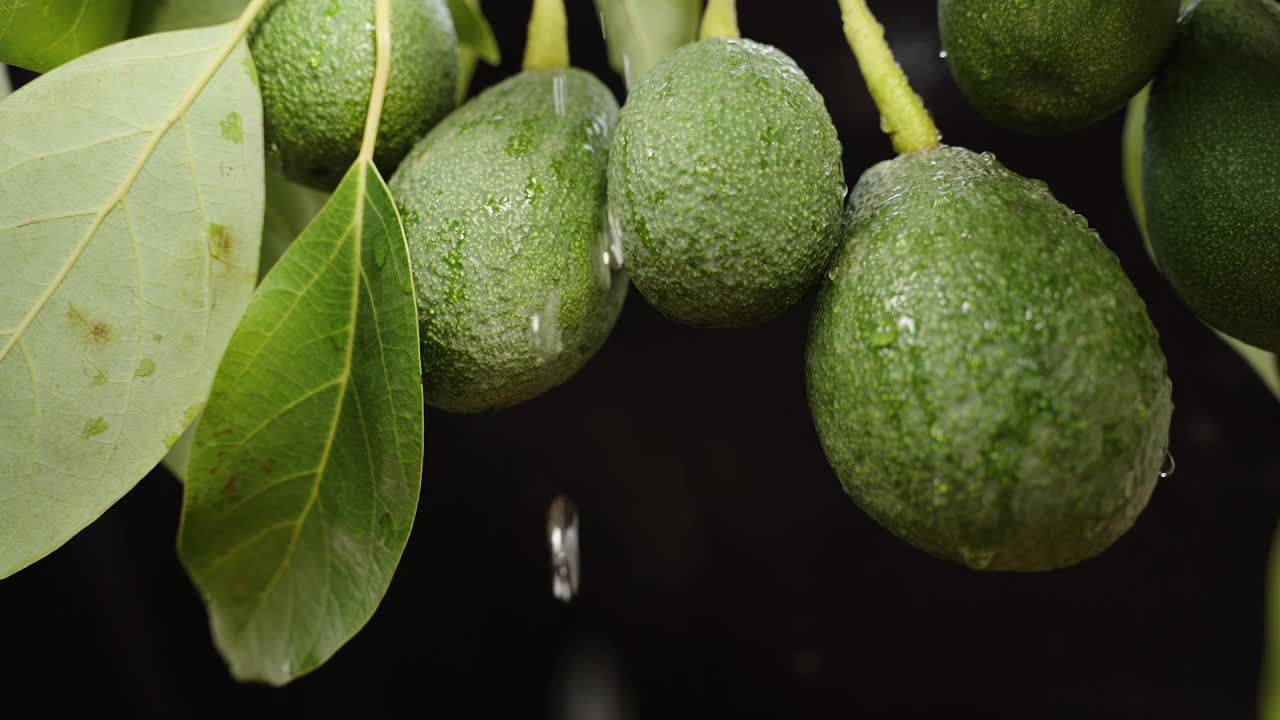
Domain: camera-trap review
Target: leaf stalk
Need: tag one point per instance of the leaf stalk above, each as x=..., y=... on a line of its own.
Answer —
x=904, y=117
x=720, y=20
x=548, y=44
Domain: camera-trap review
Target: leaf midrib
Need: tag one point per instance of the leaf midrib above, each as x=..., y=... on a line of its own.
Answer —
x=344, y=378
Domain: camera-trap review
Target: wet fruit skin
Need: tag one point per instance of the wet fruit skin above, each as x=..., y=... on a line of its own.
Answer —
x=315, y=61
x=503, y=205
x=1211, y=167
x=983, y=376
x=726, y=184
x=1053, y=66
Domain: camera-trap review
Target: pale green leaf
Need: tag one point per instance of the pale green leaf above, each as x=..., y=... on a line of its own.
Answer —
x=153, y=16
x=1264, y=363
x=641, y=33
x=5, y=86
x=306, y=467
x=131, y=204
x=42, y=34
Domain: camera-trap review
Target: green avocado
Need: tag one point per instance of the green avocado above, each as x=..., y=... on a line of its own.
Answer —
x=315, y=61
x=1053, y=66
x=1211, y=167
x=984, y=378
x=518, y=280
x=725, y=184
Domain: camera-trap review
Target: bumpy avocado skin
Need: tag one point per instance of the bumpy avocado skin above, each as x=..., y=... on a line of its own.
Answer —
x=1211, y=167
x=725, y=184
x=1053, y=66
x=983, y=376
x=503, y=206
x=315, y=61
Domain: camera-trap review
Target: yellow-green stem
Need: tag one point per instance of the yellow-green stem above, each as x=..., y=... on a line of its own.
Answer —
x=381, y=74
x=548, y=44
x=1270, y=691
x=903, y=114
x=720, y=20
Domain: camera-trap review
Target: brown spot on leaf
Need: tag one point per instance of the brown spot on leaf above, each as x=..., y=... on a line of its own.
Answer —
x=232, y=486
x=96, y=330
x=220, y=240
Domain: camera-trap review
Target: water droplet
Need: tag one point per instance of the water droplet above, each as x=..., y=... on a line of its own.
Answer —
x=544, y=329
x=943, y=55
x=1169, y=466
x=562, y=536
x=977, y=558
x=907, y=323
x=559, y=95
x=613, y=230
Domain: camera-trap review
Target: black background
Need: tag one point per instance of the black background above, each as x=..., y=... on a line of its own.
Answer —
x=725, y=573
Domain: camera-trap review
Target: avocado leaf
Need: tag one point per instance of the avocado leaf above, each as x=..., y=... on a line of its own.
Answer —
x=306, y=466
x=130, y=218
x=40, y=36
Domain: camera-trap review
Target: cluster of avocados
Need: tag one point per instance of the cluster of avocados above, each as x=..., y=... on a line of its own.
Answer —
x=984, y=378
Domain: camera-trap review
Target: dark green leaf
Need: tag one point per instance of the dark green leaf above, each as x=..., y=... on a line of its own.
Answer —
x=306, y=467
x=42, y=34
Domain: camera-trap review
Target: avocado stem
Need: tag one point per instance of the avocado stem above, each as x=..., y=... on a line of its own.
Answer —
x=720, y=20
x=381, y=75
x=548, y=45
x=903, y=114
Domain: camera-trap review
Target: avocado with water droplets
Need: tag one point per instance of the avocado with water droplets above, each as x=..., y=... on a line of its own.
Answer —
x=1211, y=167
x=1053, y=66
x=315, y=61
x=983, y=376
x=503, y=206
x=726, y=184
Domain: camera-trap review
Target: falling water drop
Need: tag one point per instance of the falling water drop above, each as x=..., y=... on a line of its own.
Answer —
x=559, y=94
x=1169, y=466
x=613, y=231
x=943, y=55
x=544, y=329
x=562, y=536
